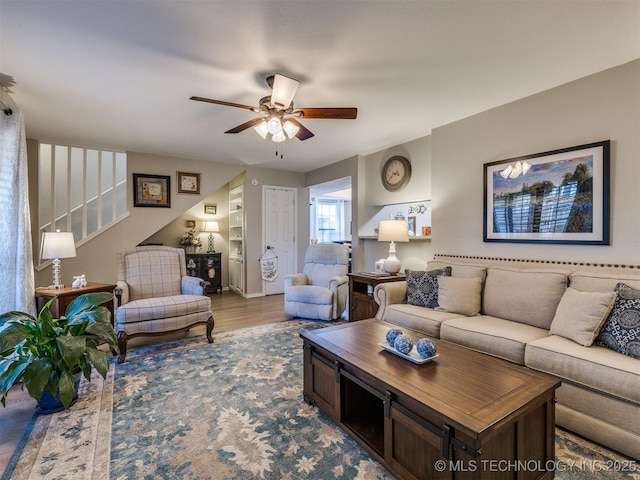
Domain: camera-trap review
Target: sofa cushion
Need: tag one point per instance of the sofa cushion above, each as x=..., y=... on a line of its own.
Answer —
x=595, y=367
x=495, y=336
x=621, y=331
x=524, y=295
x=602, y=282
x=162, y=308
x=460, y=295
x=466, y=270
x=580, y=315
x=419, y=319
x=422, y=287
x=311, y=294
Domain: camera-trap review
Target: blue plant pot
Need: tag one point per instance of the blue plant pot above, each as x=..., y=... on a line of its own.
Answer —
x=51, y=404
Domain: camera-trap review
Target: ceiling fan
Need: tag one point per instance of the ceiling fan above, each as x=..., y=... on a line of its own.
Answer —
x=279, y=119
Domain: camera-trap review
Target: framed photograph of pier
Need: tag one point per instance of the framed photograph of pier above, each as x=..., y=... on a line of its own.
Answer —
x=561, y=196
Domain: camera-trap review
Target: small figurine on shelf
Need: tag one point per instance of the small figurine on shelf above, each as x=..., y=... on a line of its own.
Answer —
x=79, y=281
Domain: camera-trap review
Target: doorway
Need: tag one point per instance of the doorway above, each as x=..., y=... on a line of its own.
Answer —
x=279, y=242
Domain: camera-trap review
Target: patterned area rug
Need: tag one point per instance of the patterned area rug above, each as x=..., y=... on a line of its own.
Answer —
x=230, y=410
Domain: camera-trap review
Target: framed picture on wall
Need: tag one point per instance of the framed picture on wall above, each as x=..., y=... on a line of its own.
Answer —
x=151, y=190
x=210, y=209
x=188, y=182
x=561, y=196
x=411, y=224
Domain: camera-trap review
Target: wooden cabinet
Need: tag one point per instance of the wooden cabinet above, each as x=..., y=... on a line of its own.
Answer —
x=361, y=302
x=208, y=267
x=67, y=294
x=236, y=239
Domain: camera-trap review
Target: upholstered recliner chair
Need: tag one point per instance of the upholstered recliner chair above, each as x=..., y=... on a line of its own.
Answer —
x=320, y=292
x=156, y=297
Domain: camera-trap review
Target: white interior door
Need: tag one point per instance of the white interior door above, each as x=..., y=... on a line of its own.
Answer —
x=279, y=243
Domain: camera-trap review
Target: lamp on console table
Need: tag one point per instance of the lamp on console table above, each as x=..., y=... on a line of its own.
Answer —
x=393, y=231
x=57, y=245
x=211, y=227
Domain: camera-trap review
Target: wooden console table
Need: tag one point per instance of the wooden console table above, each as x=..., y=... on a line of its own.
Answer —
x=463, y=414
x=361, y=302
x=67, y=294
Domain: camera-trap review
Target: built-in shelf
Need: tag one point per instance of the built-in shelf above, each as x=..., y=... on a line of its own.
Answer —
x=411, y=239
x=236, y=239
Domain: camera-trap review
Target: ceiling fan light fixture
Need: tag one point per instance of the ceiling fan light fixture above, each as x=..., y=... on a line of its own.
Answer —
x=279, y=137
x=290, y=128
x=274, y=125
x=284, y=88
x=261, y=129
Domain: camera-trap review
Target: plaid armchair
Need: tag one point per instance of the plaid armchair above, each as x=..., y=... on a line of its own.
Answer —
x=156, y=297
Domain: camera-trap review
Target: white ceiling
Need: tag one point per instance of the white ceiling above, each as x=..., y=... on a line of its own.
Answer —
x=119, y=74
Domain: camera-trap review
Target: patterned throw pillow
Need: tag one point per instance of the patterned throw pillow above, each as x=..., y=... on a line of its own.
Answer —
x=621, y=331
x=422, y=287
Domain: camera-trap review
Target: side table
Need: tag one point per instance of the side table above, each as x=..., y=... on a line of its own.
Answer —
x=361, y=286
x=67, y=294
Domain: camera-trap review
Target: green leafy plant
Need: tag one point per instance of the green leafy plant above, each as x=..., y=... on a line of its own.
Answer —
x=42, y=353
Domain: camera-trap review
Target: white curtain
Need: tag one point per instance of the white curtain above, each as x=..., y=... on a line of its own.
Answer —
x=16, y=259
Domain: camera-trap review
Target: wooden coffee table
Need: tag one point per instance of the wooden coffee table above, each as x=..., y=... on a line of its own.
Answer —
x=463, y=414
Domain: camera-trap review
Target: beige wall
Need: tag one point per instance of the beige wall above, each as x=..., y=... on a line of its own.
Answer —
x=97, y=259
x=414, y=253
x=447, y=168
x=599, y=107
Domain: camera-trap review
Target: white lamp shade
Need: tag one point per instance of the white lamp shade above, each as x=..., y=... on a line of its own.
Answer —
x=393, y=231
x=261, y=129
x=290, y=128
x=278, y=137
x=211, y=227
x=57, y=245
x=274, y=125
x=284, y=88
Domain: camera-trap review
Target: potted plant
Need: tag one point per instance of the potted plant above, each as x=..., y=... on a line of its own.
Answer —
x=44, y=353
x=190, y=241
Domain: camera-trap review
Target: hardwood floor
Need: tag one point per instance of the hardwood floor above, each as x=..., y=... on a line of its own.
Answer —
x=230, y=312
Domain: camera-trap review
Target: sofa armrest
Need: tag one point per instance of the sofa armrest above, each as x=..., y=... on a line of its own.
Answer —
x=122, y=293
x=294, y=279
x=192, y=285
x=388, y=293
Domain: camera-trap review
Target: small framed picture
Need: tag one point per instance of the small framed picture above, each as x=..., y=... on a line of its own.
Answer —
x=210, y=209
x=411, y=223
x=151, y=190
x=188, y=183
x=191, y=223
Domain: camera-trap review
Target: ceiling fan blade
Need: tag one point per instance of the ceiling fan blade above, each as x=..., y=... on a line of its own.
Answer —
x=284, y=88
x=303, y=133
x=339, y=113
x=220, y=102
x=245, y=125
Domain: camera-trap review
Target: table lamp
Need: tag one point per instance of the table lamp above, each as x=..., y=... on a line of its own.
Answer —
x=211, y=227
x=57, y=245
x=393, y=231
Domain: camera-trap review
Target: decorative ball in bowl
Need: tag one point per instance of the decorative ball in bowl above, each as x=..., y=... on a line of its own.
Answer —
x=403, y=344
x=392, y=334
x=426, y=348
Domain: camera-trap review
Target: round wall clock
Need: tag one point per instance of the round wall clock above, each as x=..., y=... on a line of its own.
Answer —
x=396, y=173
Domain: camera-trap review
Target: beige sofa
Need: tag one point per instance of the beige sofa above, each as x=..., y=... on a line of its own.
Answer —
x=534, y=314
